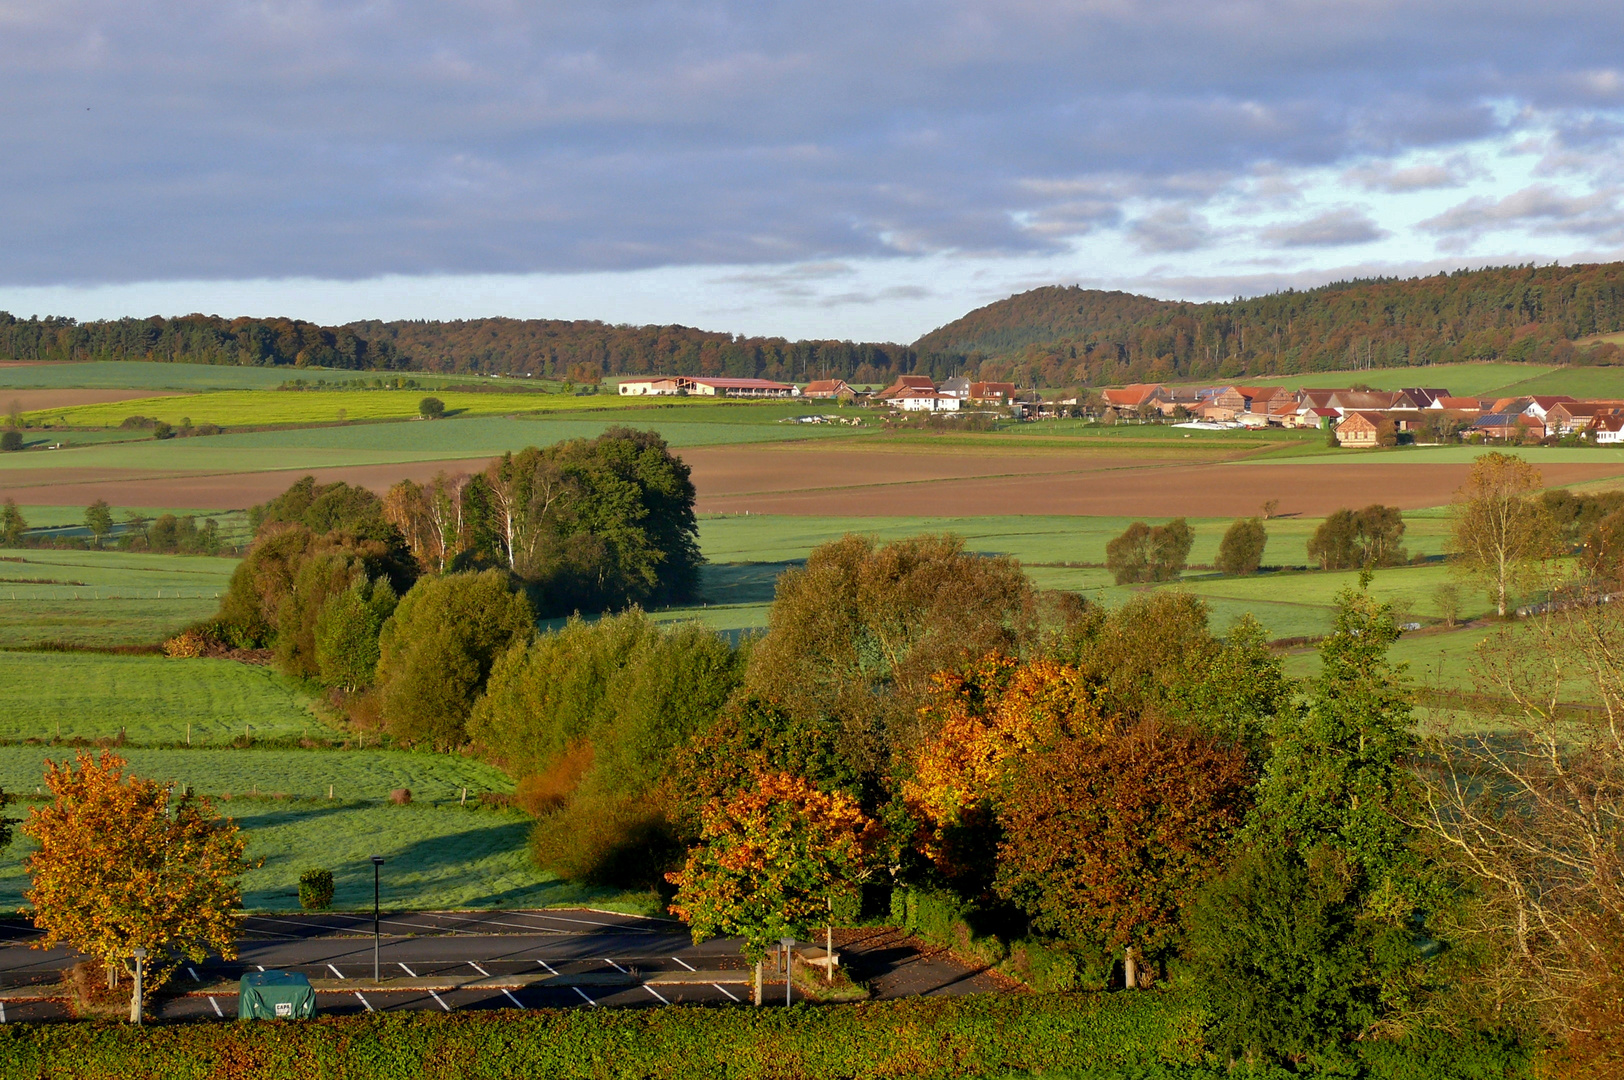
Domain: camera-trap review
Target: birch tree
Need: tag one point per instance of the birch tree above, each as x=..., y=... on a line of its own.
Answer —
x=1498, y=531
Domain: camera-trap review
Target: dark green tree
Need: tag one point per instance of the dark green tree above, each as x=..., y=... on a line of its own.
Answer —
x=1143, y=553
x=12, y=524
x=346, y=633
x=437, y=650
x=431, y=408
x=99, y=520
x=1241, y=550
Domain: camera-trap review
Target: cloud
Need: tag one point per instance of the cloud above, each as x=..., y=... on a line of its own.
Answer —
x=1170, y=229
x=1382, y=176
x=1540, y=208
x=1334, y=228
x=239, y=139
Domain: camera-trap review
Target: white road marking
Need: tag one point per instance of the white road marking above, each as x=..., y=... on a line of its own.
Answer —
x=408, y=971
x=479, y=969
x=684, y=963
x=584, y=997
x=516, y=1003
x=364, y=1001
x=656, y=993
x=614, y=965
x=547, y=967
x=436, y=997
x=216, y=1005
x=193, y=973
x=724, y=990
x=335, y=971
x=2, y=1012
x=260, y=966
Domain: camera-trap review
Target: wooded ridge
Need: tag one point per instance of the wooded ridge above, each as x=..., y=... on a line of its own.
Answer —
x=1052, y=336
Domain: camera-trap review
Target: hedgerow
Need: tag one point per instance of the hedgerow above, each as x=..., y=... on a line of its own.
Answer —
x=1146, y=1035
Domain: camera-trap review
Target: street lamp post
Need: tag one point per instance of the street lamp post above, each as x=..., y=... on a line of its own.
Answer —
x=789, y=978
x=140, y=955
x=377, y=864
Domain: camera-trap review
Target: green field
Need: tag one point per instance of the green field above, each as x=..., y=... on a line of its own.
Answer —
x=148, y=375
x=255, y=407
x=1462, y=380
x=105, y=598
x=438, y=853
x=1035, y=540
x=151, y=699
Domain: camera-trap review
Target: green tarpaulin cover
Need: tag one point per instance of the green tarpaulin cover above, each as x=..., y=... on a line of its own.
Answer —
x=275, y=995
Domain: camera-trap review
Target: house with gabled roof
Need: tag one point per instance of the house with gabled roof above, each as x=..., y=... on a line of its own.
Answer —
x=1359, y=429
x=907, y=382
x=827, y=388
x=1133, y=396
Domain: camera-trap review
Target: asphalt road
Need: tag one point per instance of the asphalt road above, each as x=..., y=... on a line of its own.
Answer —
x=448, y=961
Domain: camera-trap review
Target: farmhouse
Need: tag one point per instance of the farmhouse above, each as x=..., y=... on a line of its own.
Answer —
x=670, y=385
x=992, y=393
x=1359, y=429
x=925, y=401
x=905, y=383
x=828, y=388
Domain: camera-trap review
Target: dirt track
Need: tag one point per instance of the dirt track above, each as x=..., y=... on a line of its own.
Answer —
x=818, y=480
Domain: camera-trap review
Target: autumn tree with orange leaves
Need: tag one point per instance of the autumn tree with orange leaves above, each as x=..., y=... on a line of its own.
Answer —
x=981, y=718
x=124, y=861
x=774, y=861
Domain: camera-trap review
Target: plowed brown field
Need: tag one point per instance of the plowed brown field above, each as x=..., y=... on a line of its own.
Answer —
x=818, y=480
x=29, y=400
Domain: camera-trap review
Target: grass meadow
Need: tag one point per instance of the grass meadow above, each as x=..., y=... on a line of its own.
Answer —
x=148, y=698
x=100, y=599
x=146, y=375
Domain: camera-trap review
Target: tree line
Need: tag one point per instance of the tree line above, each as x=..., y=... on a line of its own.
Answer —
x=1054, y=336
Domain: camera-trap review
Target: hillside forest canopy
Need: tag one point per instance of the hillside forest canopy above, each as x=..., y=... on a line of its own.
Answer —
x=1055, y=336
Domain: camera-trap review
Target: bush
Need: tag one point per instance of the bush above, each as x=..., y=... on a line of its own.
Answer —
x=316, y=890
x=11, y=440
x=161, y=430
x=431, y=408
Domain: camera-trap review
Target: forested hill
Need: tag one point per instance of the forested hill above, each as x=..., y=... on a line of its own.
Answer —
x=1061, y=336
x=581, y=350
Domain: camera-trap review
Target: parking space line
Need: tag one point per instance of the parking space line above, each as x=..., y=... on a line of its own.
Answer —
x=335, y=971
x=408, y=970
x=725, y=990
x=614, y=965
x=584, y=996
x=192, y=971
x=656, y=993
x=260, y=966
x=216, y=1005
x=437, y=998
x=364, y=1001
x=516, y=1002
x=547, y=967
x=684, y=963
x=479, y=969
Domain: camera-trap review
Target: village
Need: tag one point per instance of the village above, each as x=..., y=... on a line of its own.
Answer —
x=1356, y=417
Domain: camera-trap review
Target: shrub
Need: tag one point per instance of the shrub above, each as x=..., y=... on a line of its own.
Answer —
x=431, y=408
x=162, y=430
x=400, y=796
x=11, y=440
x=316, y=890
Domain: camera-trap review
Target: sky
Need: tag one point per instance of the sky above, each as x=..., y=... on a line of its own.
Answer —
x=811, y=169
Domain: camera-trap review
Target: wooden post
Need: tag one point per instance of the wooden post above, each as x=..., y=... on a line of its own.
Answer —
x=758, y=983
x=829, y=954
x=1130, y=969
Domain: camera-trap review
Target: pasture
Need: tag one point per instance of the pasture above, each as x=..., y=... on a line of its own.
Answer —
x=148, y=699
x=1462, y=380
x=101, y=599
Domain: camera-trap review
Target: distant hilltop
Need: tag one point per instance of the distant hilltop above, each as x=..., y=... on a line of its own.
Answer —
x=1056, y=336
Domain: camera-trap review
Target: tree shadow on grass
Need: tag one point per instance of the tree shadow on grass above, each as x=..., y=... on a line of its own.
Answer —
x=742, y=583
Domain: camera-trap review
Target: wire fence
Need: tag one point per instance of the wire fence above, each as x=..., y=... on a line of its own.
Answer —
x=92, y=594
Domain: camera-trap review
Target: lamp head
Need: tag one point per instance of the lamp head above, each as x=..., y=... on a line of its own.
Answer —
x=139, y=953
x=377, y=860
